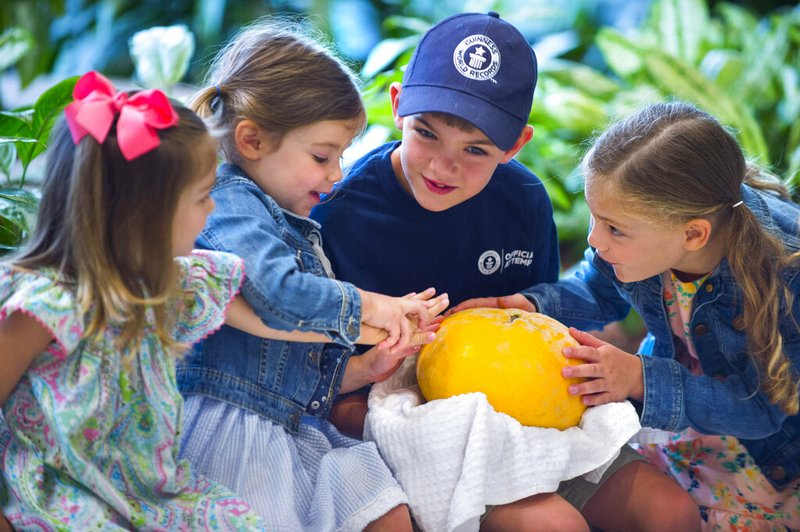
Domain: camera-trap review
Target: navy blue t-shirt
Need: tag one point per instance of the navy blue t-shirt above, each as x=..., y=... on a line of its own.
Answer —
x=498, y=242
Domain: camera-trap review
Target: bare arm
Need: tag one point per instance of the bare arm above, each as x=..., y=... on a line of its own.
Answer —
x=5, y=526
x=241, y=316
x=22, y=339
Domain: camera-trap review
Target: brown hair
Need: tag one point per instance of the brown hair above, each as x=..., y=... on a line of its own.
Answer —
x=672, y=162
x=105, y=224
x=276, y=75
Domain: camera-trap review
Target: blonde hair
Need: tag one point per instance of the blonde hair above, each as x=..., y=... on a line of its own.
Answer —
x=672, y=162
x=105, y=224
x=275, y=74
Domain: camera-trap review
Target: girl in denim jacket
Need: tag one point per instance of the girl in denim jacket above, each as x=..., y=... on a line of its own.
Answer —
x=256, y=409
x=705, y=248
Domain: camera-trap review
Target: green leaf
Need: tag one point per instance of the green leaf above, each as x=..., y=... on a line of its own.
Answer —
x=618, y=53
x=681, y=24
x=582, y=77
x=14, y=44
x=385, y=53
x=8, y=154
x=16, y=125
x=45, y=111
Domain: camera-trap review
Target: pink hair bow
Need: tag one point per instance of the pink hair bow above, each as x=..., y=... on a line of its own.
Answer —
x=95, y=104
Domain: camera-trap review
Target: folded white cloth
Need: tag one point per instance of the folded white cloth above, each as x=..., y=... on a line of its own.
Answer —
x=453, y=457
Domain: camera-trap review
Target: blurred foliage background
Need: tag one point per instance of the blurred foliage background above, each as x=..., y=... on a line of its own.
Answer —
x=598, y=59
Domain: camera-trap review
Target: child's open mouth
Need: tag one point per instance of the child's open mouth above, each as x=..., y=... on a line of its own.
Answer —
x=437, y=188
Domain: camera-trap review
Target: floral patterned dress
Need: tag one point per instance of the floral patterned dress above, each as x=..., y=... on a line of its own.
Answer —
x=731, y=490
x=91, y=435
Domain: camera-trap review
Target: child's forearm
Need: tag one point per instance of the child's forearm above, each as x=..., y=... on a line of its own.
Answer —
x=357, y=372
x=241, y=316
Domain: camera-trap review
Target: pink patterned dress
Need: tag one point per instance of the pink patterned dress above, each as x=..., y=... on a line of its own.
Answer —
x=91, y=435
x=732, y=492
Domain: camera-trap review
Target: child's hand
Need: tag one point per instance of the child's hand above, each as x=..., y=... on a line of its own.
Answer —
x=378, y=364
x=513, y=301
x=611, y=373
x=401, y=317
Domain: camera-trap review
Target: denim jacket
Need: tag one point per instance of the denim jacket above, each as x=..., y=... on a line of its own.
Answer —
x=287, y=286
x=726, y=399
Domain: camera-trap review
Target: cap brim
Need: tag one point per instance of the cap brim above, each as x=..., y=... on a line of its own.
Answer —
x=501, y=127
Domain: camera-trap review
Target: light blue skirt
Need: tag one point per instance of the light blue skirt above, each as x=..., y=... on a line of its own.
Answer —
x=317, y=480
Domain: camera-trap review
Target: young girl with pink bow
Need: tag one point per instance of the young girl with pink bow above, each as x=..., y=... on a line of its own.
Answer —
x=94, y=312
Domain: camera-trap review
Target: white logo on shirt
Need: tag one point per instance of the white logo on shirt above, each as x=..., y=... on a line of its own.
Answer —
x=477, y=57
x=490, y=260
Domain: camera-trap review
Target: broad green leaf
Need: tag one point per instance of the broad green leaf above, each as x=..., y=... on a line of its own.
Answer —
x=45, y=111
x=385, y=53
x=677, y=78
x=15, y=125
x=725, y=68
x=765, y=59
x=581, y=77
x=618, y=52
x=681, y=24
x=576, y=111
x=14, y=44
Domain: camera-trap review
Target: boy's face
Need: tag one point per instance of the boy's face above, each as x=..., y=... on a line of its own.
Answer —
x=442, y=165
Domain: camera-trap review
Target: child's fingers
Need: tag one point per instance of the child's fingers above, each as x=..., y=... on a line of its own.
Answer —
x=585, y=338
x=424, y=295
x=437, y=305
x=474, y=303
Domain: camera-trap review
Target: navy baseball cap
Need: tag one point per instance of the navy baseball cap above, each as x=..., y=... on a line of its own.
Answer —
x=477, y=67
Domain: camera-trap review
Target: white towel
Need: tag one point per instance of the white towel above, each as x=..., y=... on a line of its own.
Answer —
x=453, y=457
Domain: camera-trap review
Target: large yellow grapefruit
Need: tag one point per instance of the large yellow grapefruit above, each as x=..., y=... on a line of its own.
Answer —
x=512, y=356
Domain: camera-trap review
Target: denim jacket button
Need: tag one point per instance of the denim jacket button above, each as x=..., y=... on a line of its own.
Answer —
x=701, y=329
x=778, y=473
x=738, y=323
x=709, y=287
x=314, y=405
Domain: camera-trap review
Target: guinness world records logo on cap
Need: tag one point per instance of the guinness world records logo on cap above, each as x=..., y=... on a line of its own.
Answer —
x=477, y=57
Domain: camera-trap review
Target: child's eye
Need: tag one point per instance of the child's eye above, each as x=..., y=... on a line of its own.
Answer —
x=474, y=150
x=614, y=231
x=425, y=133
x=320, y=159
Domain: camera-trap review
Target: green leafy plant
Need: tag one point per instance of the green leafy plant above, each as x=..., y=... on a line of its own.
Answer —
x=23, y=137
x=738, y=66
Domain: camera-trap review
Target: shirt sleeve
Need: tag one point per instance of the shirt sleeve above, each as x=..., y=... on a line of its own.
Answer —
x=585, y=299
x=209, y=281
x=52, y=305
x=281, y=292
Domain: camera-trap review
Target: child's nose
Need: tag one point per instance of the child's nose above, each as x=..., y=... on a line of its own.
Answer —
x=593, y=238
x=444, y=164
x=336, y=174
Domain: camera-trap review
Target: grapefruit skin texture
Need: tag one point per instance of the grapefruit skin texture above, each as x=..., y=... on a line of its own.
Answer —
x=512, y=356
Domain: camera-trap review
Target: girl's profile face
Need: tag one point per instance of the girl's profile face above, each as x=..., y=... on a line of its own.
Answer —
x=636, y=248
x=194, y=206
x=306, y=164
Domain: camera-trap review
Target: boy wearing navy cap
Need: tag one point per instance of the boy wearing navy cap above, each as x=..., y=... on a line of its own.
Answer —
x=447, y=206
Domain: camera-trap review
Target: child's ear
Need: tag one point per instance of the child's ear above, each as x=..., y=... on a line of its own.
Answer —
x=250, y=141
x=525, y=136
x=697, y=232
x=394, y=94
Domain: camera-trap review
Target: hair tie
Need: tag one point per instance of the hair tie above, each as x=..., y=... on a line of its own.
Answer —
x=96, y=103
x=737, y=204
x=219, y=92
